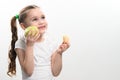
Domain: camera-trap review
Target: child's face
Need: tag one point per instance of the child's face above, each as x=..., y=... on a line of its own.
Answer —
x=36, y=17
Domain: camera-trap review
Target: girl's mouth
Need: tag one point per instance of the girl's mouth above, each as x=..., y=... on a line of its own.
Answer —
x=41, y=27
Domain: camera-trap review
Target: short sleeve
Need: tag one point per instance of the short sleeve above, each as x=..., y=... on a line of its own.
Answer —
x=20, y=43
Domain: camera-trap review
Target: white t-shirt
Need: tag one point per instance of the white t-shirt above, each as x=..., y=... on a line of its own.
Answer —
x=42, y=58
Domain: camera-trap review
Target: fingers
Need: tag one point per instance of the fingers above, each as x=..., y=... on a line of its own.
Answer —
x=31, y=31
x=65, y=44
x=63, y=47
x=36, y=36
x=33, y=35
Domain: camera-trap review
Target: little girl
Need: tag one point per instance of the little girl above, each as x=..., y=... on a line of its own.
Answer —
x=39, y=56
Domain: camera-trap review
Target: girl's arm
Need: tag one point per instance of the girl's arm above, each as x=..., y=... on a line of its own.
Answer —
x=56, y=63
x=56, y=59
x=26, y=59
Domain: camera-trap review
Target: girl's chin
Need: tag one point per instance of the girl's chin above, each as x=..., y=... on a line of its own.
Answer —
x=42, y=31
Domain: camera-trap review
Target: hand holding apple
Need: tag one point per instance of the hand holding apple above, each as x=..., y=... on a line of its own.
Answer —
x=33, y=29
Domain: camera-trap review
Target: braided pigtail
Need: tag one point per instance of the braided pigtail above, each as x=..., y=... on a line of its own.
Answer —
x=12, y=54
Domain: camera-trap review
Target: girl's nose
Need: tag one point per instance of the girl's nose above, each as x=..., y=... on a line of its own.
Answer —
x=41, y=21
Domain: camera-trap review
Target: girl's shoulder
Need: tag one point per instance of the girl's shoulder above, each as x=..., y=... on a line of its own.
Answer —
x=20, y=43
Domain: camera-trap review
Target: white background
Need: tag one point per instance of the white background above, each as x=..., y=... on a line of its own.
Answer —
x=94, y=30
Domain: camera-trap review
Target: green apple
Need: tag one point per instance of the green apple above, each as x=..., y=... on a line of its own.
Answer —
x=32, y=29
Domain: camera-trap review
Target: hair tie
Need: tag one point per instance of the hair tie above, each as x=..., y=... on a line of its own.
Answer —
x=17, y=16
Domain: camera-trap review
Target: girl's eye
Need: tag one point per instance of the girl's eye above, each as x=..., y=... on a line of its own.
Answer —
x=43, y=17
x=35, y=19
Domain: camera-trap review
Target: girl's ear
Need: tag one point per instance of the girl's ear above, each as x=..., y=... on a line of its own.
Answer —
x=22, y=26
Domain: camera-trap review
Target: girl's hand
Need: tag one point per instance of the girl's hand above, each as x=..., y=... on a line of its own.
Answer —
x=31, y=39
x=63, y=47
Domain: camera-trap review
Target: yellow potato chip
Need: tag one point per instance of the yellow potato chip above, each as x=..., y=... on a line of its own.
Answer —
x=65, y=39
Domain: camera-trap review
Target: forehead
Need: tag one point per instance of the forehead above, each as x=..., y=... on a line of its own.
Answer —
x=35, y=12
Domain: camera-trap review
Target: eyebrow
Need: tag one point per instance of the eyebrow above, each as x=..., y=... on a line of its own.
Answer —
x=37, y=16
